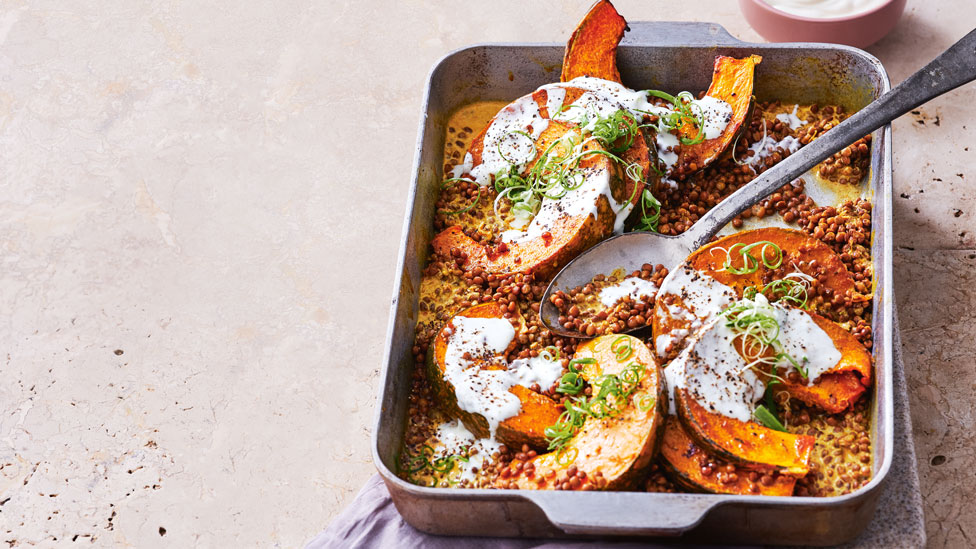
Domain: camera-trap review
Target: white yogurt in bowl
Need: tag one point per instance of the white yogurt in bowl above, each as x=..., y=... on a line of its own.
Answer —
x=826, y=9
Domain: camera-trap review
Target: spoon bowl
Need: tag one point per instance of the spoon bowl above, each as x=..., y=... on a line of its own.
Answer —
x=628, y=251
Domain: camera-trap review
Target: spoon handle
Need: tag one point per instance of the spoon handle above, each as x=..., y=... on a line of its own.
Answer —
x=953, y=68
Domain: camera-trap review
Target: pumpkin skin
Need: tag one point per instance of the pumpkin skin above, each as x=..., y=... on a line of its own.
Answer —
x=683, y=462
x=743, y=442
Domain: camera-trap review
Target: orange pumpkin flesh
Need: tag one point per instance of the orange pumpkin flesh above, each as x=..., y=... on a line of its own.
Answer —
x=732, y=82
x=741, y=442
x=618, y=448
x=592, y=49
x=527, y=427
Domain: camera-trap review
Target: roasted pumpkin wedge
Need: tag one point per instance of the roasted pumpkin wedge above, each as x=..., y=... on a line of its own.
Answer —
x=592, y=49
x=834, y=391
x=694, y=469
x=732, y=82
x=537, y=411
x=743, y=442
x=567, y=233
x=609, y=452
x=801, y=252
x=837, y=390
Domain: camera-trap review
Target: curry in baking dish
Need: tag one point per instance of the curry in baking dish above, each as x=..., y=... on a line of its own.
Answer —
x=754, y=370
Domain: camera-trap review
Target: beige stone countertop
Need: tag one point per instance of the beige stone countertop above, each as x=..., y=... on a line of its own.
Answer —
x=200, y=210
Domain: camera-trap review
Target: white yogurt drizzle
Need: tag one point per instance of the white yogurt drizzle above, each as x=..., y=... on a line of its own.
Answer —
x=805, y=341
x=791, y=119
x=709, y=366
x=456, y=440
x=825, y=9
x=555, y=97
x=486, y=392
x=632, y=287
x=715, y=374
x=717, y=113
x=506, y=144
x=479, y=391
x=463, y=168
x=765, y=147
x=702, y=298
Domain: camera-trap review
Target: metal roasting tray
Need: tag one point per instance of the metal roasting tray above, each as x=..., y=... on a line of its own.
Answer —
x=670, y=56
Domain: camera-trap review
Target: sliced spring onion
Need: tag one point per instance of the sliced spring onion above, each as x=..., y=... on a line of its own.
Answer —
x=620, y=387
x=787, y=289
x=566, y=457
x=764, y=416
x=645, y=402
x=624, y=351
x=649, y=220
x=750, y=264
x=420, y=461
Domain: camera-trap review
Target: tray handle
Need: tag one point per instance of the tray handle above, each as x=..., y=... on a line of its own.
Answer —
x=685, y=33
x=622, y=512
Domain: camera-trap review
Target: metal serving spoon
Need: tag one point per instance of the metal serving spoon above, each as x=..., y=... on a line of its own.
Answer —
x=953, y=68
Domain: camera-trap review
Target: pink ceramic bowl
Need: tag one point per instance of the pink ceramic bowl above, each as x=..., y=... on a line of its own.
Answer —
x=859, y=30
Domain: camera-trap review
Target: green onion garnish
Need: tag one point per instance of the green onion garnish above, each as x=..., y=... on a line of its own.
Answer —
x=613, y=391
x=772, y=260
x=624, y=351
x=765, y=417
x=650, y=212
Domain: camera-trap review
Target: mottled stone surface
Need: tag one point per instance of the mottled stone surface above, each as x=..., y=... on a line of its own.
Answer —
x=199, y=219
x=937, y=294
